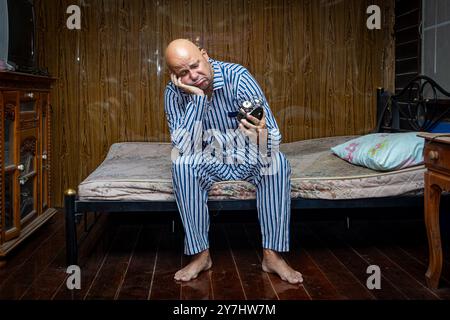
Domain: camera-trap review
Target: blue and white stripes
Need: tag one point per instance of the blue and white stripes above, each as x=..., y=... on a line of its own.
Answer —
x=213, y=149
x=194, y=119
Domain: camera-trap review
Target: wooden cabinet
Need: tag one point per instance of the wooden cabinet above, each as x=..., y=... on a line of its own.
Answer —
x=25, y=157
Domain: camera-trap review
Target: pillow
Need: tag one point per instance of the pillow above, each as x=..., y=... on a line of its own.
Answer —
x=383, y=151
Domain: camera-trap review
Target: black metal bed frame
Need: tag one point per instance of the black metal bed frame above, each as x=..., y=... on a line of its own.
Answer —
x=392, y=112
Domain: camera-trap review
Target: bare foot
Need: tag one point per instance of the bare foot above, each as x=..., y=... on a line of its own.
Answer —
x=274, y=263
x=200, y=262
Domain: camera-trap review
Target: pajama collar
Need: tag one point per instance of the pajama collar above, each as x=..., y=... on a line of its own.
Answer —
x=218, y=82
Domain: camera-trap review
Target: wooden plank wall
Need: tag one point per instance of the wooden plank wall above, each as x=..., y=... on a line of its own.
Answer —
x=316, y=60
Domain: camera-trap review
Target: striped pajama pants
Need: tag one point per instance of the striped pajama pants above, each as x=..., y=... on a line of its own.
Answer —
x=193, y=176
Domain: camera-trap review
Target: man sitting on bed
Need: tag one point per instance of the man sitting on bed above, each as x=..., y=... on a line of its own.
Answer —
x=200, y=104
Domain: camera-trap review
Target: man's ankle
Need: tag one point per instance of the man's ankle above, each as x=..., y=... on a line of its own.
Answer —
x=270, y=253
x=201, y=254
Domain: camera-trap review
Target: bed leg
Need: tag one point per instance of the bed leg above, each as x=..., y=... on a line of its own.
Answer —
x=71, y=229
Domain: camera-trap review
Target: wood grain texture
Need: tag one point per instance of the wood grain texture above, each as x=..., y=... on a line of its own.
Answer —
x=332, y=258
x=316, y=61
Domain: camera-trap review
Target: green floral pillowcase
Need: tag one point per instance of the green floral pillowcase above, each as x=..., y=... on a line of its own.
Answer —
x=383, y=151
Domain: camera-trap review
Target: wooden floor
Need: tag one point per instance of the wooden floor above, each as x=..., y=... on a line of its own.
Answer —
x=135, y=257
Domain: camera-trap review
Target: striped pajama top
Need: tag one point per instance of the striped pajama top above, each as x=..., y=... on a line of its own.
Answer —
x=198, y=124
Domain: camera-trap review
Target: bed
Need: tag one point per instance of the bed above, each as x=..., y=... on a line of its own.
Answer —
x=136, y=176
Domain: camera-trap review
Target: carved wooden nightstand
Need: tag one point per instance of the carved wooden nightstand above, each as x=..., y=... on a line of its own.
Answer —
x=437, y=180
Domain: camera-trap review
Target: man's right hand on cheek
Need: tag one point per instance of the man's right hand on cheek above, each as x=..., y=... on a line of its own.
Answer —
x=186, y=88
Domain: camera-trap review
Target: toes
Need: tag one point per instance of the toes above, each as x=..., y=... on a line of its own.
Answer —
x=298, y=278
x=185, y=276
x=181, y=276
x=294, y=278
x=177, y=277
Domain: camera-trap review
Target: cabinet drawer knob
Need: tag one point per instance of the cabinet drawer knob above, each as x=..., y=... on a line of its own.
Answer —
x=20, y=167
x=434, y=155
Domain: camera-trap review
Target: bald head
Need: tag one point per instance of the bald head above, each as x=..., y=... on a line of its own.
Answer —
x=181, y=48
x=189, y=63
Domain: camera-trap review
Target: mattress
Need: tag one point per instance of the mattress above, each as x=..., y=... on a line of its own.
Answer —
x=142, y=171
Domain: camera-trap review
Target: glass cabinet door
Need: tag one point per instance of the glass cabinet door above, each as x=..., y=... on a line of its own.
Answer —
x=9, y=167
x=9, y=204
x=28, y=177
x=28, y=101
x=28, y=151
x=11, y=223
x=8, y=136
x=44, y=152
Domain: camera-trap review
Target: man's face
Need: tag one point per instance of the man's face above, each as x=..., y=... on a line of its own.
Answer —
x=194, y=70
